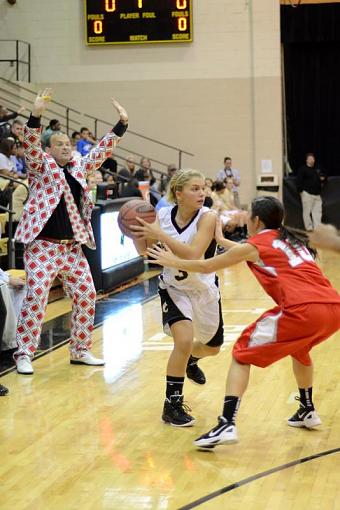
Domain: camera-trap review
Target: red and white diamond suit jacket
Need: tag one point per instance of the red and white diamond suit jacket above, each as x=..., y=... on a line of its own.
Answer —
x=46, y=184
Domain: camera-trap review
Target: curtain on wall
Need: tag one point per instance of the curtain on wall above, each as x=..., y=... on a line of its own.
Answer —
x=311, y=40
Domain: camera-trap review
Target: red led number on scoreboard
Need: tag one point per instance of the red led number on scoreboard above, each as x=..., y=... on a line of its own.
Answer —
x=98, y=26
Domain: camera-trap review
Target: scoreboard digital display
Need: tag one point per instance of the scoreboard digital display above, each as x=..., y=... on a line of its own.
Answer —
x=138, y=21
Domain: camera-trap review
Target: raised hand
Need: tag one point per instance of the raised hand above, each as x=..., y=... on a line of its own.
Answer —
x=41, y=102
x=120, y=110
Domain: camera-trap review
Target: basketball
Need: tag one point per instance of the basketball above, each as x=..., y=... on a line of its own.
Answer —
x=130, y=210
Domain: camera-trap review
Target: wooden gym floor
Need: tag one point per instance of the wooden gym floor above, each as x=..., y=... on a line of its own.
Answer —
x=76, y=437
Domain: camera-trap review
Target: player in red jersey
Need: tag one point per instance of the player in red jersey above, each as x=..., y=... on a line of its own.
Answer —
x=307, y=311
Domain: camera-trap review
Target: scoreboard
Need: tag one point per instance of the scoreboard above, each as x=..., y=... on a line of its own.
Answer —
x=138, y=21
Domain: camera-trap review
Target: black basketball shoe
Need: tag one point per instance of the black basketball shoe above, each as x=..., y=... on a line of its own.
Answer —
x=3, y=390
x=304, y=417
x=223, y=433
x=176, y=413
x=195, y=373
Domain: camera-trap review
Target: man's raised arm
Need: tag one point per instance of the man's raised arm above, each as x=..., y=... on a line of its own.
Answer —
x=96, y=157
x=32, y=143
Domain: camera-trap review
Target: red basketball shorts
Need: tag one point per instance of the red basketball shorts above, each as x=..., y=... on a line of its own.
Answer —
x=287, y=332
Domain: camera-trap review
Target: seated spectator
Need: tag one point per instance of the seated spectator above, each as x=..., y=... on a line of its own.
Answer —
x=98, y=177
x=5, y=116
x=163, y=202
x=109, y=178
x=144, y=173
x=92, y=185
x=75, y=137
x=128, y=171
x=165, y=179
x=86, y=142
x=208, y=201
x=223, y=202
x=17, y=132
x=6, y=189
x=130, y=189
x=230, y=173
x=20, y=161
x=53, y=128
x=8, y=150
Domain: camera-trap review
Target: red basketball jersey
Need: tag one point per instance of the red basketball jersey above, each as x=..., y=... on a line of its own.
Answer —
x=288, y=274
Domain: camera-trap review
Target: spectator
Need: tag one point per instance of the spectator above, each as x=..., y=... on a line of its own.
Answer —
x=85, y=144
x=233, y=173
x=5, y=116
x=131, y=164
x=309, y=182
x=130, y=189
x=6, y=188
x=231, y=217
x=75, y=137
x=98, y=177
x=17, y=132
x=19, y=159
x=144, y=173
x=129, y=171
x=109, y=178
x=163, y=201
x=208, y=201
x=92, y=187
x=166, y=178
x=8, y=150
x=53, y=128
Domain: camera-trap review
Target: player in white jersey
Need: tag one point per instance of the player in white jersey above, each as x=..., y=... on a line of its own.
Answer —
x=191, y=305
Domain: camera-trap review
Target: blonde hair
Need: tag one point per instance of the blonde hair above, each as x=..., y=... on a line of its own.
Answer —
x=178, y=181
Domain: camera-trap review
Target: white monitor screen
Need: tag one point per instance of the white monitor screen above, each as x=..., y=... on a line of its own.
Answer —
x=116, y=248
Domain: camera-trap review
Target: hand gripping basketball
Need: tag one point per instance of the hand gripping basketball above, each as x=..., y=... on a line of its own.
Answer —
x=130, y=211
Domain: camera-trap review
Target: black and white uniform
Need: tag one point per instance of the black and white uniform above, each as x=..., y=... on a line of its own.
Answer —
x=190, y=296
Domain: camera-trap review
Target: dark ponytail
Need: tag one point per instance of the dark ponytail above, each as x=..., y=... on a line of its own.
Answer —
x=296, y=238
x=271, y=212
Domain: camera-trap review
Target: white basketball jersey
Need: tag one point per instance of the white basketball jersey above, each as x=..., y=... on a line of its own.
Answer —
x=175, y=277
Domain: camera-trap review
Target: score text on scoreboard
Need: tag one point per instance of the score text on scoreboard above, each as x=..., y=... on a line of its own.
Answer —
x=138, y=21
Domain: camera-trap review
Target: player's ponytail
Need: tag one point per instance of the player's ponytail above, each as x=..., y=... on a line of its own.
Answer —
x=178, y=181
x=271, y=212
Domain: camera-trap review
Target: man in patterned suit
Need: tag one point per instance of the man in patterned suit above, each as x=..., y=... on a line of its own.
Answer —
x=54, y=225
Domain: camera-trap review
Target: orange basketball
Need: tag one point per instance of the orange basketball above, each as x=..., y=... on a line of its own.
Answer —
x=130, y=210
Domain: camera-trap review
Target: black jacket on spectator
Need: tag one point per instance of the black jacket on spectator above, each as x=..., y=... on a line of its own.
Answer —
x=308, y=179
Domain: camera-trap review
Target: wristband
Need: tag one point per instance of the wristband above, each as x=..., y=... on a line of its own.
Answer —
x=120, y=128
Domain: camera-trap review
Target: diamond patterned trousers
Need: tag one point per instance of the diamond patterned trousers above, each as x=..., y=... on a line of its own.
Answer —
x=43, y=262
